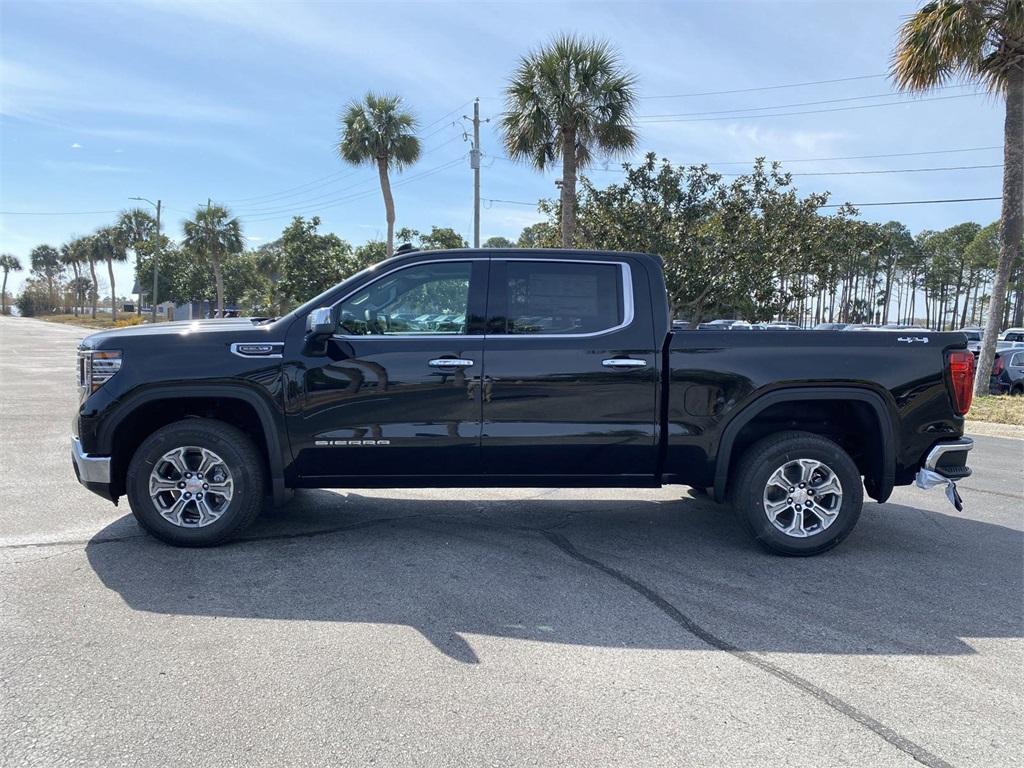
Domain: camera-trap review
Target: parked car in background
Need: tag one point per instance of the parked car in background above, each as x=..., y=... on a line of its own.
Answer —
x=1012, y=334
x=717, y=325
x=973, y=339
x=682, y=325
x=829, y=327
x=1008, y=372
x=782, y=327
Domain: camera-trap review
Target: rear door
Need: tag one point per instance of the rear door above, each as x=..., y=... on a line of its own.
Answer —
x=570, y=388
x=395, y=392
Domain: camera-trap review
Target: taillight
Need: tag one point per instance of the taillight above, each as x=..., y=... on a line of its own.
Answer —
x=997, y=366
x=961, y=374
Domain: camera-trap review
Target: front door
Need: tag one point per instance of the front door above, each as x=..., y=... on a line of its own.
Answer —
x=571, y=383
x=395, y=392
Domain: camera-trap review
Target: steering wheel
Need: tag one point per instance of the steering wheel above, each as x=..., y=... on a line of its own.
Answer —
x=376, y=322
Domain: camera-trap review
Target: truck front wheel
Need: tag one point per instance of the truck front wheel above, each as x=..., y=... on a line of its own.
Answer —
x=196, y=483
x=797, y=493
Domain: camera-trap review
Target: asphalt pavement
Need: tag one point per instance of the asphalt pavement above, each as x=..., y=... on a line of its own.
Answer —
x=541, y=627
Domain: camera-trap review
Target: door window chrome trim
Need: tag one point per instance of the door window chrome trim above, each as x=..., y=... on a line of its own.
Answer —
x=628, y=307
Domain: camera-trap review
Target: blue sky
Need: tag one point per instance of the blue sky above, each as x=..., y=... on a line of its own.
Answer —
x=239, y=102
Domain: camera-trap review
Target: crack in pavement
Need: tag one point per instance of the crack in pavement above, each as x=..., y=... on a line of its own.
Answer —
x=900, y=742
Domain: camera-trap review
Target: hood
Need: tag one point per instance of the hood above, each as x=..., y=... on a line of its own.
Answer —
x=179, y=328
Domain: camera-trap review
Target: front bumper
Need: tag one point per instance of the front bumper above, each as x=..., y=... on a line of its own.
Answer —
x=92, y=471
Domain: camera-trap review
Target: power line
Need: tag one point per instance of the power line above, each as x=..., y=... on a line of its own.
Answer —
x=812, y=159
x=887, y=170
x=830, y=205
x=273, y=199
x=765, y=87
x=788, y=106
x=913, y=202
x=817, y=111
x=448, y=114
x=490, y=200
x=260, y=216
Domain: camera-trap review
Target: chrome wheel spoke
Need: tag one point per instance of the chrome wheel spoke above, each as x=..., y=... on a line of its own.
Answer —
x=776, y=508
x=223, y=490
x=174, y=512
x=176, y=459
x=159, y=484
x=796, y=528
x=206, y=515
x=210, y=460
x=779, y=480
x=831, y=485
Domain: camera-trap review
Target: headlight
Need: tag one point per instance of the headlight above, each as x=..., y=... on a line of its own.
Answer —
x=95, y=367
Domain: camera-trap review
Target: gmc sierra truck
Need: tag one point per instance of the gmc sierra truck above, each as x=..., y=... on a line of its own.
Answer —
x=495, y=368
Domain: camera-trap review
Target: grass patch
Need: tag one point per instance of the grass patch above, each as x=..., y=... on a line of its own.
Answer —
x=999, y=409
x=102, y=320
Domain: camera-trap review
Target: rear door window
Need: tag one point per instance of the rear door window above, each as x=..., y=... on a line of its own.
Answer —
x=557, y=298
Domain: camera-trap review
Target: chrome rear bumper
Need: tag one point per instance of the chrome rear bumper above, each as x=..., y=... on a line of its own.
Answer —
x=90, y=469
x=949, y=458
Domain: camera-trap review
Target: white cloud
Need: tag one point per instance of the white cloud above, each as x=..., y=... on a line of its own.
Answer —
x=76, y=145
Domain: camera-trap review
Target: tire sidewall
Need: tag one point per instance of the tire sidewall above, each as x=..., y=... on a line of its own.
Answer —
x=751, y=497
x=236, y=452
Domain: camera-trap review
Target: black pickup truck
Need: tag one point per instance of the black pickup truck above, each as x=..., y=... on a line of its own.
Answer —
x=514, y=368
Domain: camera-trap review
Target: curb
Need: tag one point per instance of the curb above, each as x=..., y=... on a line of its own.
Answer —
x=990, y=429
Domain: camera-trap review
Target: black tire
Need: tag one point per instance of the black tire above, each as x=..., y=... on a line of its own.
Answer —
x=759, y=463
x=1017, y=390
x=240, y=456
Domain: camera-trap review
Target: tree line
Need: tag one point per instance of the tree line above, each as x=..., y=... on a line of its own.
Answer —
x=752, y=247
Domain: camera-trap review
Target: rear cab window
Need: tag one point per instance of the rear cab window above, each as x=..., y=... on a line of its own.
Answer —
x=558, y=298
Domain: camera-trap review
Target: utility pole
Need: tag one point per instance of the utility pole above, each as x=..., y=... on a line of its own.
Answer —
x=474, y=162
x=156, y=260
x=156, y=256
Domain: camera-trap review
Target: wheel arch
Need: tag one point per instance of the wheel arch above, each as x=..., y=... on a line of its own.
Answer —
x=147, y=411
x=879, y=472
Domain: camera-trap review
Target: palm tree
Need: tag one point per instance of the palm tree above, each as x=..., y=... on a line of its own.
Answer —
x=8, y=263
x=108, y=246
x=376, y=131
x=91, y=245
x=981, y=41
x=571, y=100
x=136, y=226
x=73, y=255
x=45, y=260
x=213, y=232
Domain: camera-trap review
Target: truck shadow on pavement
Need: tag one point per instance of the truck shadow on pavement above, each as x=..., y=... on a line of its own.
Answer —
x=677, y=574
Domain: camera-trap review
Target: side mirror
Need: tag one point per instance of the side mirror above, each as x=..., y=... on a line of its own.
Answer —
x=319, y=322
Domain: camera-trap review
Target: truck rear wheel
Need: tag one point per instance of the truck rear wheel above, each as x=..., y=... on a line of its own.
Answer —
x=196, y=483
x=798, y=493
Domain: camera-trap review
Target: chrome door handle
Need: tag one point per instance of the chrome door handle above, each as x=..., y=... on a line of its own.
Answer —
x=623, y=362
x=450, y=362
